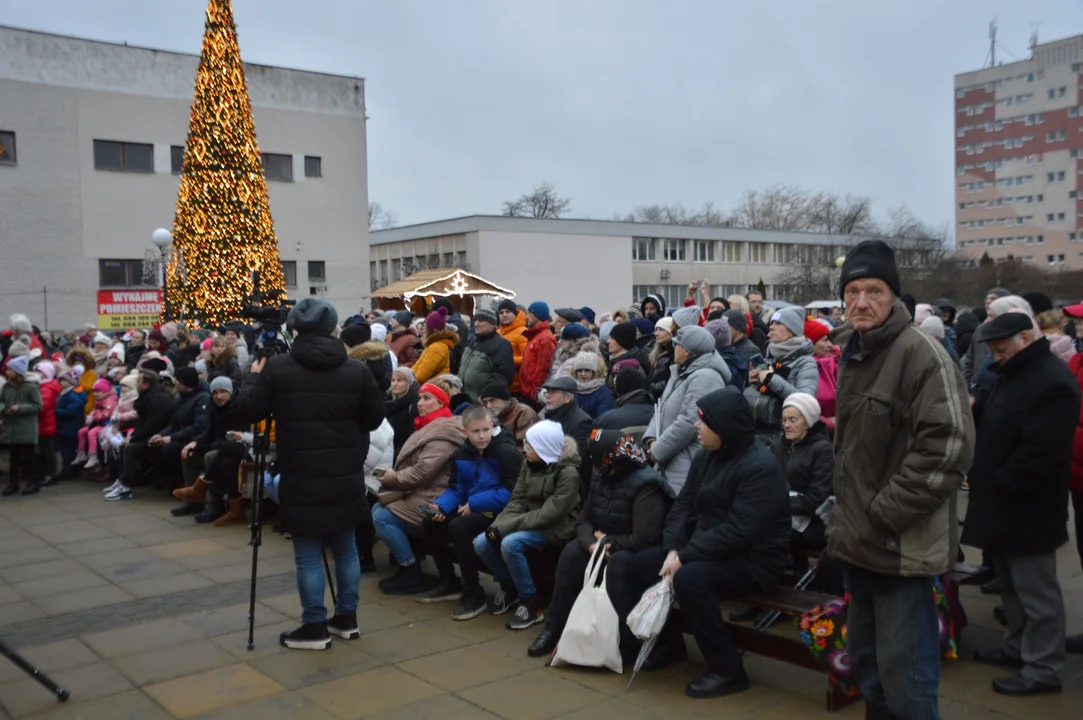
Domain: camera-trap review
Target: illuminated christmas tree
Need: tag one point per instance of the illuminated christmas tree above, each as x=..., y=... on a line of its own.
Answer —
x=223, y=228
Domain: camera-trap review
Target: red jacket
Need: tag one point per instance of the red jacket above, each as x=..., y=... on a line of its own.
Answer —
x=537, y=358
x=50, y=391
x=1076, y=366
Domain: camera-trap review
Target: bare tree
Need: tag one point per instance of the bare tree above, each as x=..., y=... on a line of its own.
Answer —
x=798, y=209
x=380, y=218
x=542, y=202
x=707, y=215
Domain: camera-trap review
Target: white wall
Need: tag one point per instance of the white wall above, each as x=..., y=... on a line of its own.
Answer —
x=562, y=270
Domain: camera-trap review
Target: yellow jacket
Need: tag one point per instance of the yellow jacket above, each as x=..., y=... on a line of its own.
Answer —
x=436, y=357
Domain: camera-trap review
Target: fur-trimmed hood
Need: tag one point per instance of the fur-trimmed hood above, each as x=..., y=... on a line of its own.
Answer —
x=447, y=335
x=371, y=350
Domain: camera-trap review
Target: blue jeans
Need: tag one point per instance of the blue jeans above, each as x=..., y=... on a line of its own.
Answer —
x=894, y=643
x=308, y=556
x=508, y=564
x=392, y=531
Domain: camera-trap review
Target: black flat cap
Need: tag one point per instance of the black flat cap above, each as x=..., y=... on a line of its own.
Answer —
x=1004, y=326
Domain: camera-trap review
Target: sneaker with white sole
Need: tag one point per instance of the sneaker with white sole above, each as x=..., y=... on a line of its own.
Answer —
x=505, y=602
x=92, y=462
x=121, y=493
x=525, y=616
x=345, y=626
x=311, y=636
x=111, y=488
x=80, y=458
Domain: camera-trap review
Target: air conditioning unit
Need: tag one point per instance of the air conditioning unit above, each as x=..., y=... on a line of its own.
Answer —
x=665, y=274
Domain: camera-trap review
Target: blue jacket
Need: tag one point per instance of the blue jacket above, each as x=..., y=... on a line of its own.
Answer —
x=70, y=412
x=484, y=480
x=596, y=403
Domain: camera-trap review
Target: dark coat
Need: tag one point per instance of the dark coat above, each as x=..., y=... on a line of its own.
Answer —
x=596, y=403
x=221, y=420
x=70, y=412
x=232, y=370
x=631, y=416
x=462, y=329
x=638, y=354
x=965, y=326
x=576, y=425
x=400, y=414
x=324, y=406
x=133, y=354
x=154, y=408
x=735, y=503
x=190, y=416
x=377, y=356
x=658, y=376
x=1022, y=460
x=629, y=506
x=809, y=468
x=759, y=334
x=483, y=479
x=486, y=358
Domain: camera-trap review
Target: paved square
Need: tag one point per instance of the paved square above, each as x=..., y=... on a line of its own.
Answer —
x=143, y=616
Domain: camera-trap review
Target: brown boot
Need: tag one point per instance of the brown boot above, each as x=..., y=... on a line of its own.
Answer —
x=196, y=493
x=235, y=514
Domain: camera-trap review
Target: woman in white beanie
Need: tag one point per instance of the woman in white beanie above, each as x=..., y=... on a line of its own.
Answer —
x=808, y=460
x=593, y=397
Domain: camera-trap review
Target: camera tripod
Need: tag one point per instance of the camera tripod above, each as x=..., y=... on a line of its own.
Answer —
x=33, y=672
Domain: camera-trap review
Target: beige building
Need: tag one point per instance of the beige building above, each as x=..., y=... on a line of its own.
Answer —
x=1019, y=142
x=600, y=263
x=92, y=137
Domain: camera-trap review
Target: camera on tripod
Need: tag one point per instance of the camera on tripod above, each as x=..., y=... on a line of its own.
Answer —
x=270, y=309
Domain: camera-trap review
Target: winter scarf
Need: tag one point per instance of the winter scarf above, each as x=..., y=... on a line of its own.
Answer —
x=421, y=422
x=781, y=351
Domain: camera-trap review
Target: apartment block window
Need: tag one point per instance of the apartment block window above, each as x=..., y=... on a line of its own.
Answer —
x=176, y=159
x=1060, y=216
x=289, y=272
x=1073, y=112
x=7, y=147
x=1049, y=177
x=643, y=248
x=1071, y=237
x=277, y=167
x=1050, y=136
x=757, y=252
x=317, y=271
x=1041, y=239
x=731, y=252
x=674, y=250
x=1049, y=217
x=1052, y=93
x=1060, y=175
x=704, y=251
x=448, y=261
x=123, y=274
x=123, y=156
x=313, y=166
x=1060, y=258
x=784, y=254
x=1061, y=135
x=460, y=260
x=1061, y=90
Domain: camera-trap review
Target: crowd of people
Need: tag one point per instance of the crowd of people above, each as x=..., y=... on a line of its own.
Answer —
x=720, y=445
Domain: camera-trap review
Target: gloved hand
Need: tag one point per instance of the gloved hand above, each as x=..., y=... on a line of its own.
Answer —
x=494, y=535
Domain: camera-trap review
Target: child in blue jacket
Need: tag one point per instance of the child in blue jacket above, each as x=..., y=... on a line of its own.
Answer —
x=483, y=474
x=70, y=418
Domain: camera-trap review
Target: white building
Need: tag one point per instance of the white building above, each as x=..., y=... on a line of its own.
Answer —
x=600, y=263
x=92, y=137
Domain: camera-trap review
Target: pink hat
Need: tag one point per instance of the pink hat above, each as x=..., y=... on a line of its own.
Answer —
x=102, y=386
x=46, y=369
x=206, y=345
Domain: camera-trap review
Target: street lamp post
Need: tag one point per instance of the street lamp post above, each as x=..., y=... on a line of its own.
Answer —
x=163, y=239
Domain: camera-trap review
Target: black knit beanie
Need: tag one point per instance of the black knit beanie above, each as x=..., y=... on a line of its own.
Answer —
x=870, y=259
x=624, y=334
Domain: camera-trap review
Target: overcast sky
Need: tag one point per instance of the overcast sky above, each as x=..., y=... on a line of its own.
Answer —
x=619, y=102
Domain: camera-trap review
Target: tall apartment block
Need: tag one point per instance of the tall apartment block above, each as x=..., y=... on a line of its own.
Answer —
x=1019, y=158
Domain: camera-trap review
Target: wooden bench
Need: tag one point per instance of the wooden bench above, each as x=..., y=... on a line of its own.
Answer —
x=787, y=648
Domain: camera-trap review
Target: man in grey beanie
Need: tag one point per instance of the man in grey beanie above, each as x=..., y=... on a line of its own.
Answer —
x=324, y=405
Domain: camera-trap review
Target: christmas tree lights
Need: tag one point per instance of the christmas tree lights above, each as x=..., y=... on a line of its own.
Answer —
x=223, y=228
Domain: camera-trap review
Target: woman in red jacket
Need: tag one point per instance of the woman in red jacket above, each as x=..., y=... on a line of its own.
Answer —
x=50, y=391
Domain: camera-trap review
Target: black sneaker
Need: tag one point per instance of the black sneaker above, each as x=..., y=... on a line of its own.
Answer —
x=447, y=591
x=472, y=605
x=525, y=616
x=345, y=626
x=391, y=578
x=408, y=582
x=505, y=601
x=310, y=636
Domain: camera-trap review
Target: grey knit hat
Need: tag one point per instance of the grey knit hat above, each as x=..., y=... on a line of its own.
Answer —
x=695, y=340
x=222, y=383
x=688, y=316
x=791, y=318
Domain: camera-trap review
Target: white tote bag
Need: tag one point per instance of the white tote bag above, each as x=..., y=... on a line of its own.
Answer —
x=591, y=637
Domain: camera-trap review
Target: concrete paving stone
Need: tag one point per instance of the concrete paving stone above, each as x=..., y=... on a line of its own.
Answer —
x=212, y=690
x=38, y=571
x=20, y=545
x=284, y=705
x=69, y=531
x=483, y=628
x=265, y=641
x=171, y=662
x=445, y=706
x=469, y=666
x=535, y=695
x=26, y=697
x=153, y=586
x=407, y=642
x=226, y=620
x=240, y=536
x=141, y=570
x=243, y=570
x=94, y=547
x=134, y=524
x=36, y=516
x=186, y=548
x=103, y=560
x=614, y=708
x=369, y=693
x=414, y=611
x=18, y=612
x=91, y=508
x=140, y=638
x=50, y=587
x=9, y=594
x=295, y=670
x=226, y=557
x=50, y=658
x=131, y=705
x=806, y=706
x=662, y=693
x=82, y=600
x=159, y=537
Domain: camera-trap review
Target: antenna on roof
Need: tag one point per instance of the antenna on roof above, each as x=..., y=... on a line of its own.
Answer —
x=991, y=56
x=1034, y=37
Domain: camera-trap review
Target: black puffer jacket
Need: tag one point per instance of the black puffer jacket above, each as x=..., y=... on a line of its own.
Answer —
x=401, y=414
x=232, y=370
x=809, y=468
x=965, y=326
x=221, y=420
x=734, y=504
x=576, y=425
x=1019, y=482
x=377, y=355
x=631, y=416
x=324, y=405
x=154, y=411
x=190, y=415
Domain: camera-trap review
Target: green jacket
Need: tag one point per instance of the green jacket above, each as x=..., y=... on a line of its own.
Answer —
x=21, y=427
x=547, y=501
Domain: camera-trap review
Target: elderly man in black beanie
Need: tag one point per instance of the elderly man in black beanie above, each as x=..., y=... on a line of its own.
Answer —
x=324, y=405
x=506, y=410
x=904, y=438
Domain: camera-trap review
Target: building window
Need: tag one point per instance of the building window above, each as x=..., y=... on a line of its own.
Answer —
x=1041, y=239
x=7, y=147
x=1060, y=175
x=704, y=251
x=460, y=260
x=1049, y=217
x=643, y=248
x=1061, y=90
x=674, y=250
x=448, y=261
x=731, y=252
x=289, y=272
x=1049, y=177
x=757, y=252
x=396, y=270
x=1052, y=93
x=1060, y=216
x=277, y=167
x=123, y=274
x=123, y=156
x=316, y=271
x=313, y=166
x=176, y=159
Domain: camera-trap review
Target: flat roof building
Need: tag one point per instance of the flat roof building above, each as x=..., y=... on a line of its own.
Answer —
x=93, y=136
